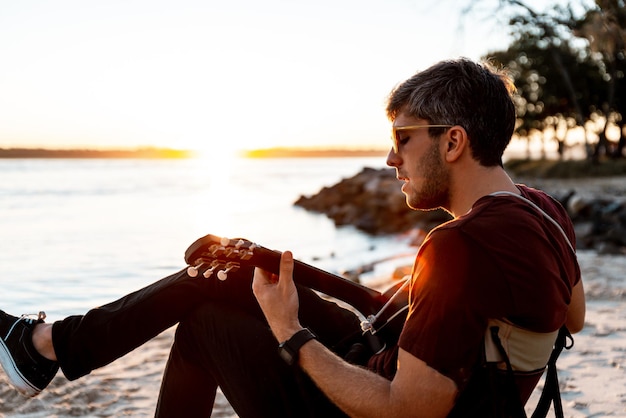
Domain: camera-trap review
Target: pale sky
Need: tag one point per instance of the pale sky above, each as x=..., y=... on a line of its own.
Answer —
x=226, y=74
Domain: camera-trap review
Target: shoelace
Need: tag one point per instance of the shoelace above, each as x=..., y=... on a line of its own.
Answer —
x=30, y=318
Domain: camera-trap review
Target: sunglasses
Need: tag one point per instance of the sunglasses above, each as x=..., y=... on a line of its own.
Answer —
x=395, y=139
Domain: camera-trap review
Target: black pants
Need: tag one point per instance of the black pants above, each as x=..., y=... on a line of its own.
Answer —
x=222, y=340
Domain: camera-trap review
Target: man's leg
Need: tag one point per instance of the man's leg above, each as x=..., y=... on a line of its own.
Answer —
x=187, y=390
x=86, y=342
x=218, y=345
x=82, y=343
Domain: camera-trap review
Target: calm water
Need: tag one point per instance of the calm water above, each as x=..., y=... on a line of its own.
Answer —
x=79, y=233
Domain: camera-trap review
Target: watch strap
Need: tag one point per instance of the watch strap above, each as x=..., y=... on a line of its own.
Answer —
x=289, y=349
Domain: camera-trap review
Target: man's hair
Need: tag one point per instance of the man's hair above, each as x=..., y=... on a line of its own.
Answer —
x=461, y=92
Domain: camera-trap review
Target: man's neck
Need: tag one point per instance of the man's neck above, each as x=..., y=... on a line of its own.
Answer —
x=466, y=189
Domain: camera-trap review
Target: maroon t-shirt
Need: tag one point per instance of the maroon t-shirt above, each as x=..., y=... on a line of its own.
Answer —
x=503, y=259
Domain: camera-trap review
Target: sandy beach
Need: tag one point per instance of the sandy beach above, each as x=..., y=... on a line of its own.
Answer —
x=592, y=375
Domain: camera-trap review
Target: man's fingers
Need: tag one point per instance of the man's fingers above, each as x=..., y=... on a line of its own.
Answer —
x=286, y=266
x=262, y=277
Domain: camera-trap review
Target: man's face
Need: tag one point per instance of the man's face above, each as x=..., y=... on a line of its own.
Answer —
x=419, y=164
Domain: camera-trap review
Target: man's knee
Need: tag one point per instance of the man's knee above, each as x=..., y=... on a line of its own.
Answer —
x=216, y=327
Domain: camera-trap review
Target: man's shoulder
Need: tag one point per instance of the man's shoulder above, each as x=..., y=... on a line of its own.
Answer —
x=501, y=212
x=501, y=206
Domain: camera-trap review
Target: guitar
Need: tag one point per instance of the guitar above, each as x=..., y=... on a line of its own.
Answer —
x=214, y=256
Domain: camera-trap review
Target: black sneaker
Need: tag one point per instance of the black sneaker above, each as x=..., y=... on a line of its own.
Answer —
x=28, y=371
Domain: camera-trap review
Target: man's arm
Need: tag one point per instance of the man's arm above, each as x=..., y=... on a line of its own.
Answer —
x=416, y=390
x=575, y=320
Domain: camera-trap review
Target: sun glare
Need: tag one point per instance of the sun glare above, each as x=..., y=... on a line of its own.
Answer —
x=209, y=150
x=217, y=155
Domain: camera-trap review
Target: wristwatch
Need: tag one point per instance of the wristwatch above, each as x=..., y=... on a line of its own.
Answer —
x=288, y=350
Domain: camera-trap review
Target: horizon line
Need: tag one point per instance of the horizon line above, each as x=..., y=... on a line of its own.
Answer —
x=171, y=153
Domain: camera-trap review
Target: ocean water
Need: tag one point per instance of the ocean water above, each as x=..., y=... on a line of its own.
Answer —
x=75, y=234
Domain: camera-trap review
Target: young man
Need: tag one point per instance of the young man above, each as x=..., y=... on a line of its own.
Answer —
x=502, y=269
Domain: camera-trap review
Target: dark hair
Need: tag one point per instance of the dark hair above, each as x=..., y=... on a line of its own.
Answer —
x=461, y=92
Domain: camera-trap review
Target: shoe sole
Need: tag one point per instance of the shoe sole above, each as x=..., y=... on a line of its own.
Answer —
x=15, y=376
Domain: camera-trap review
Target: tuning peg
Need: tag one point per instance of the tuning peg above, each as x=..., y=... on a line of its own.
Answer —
x=215, y=264
x=224, y=241
x=223, y=274
x=248, y=253
x=216, y=250
x=192, y=271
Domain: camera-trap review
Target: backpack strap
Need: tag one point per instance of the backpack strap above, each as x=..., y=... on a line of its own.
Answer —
x=541, y=211
x=511, y=388
x=551, y=392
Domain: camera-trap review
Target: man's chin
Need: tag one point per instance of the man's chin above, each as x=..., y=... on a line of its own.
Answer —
x=422, y=206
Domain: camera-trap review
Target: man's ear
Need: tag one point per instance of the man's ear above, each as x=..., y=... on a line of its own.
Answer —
x=456, y=143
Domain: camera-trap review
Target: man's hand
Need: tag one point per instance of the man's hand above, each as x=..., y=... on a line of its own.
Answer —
x=278, y=298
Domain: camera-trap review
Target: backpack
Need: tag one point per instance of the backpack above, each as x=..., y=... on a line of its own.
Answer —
x=551, y=393
x=564, y=340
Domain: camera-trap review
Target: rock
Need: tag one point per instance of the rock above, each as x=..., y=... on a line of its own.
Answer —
x=583, y=229
x=575, y=205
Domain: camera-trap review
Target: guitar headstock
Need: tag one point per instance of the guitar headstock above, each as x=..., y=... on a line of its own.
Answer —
x=217, y=255
x=213, y=255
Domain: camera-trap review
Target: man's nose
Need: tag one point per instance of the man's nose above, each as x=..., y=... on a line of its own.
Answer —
x=393, y=159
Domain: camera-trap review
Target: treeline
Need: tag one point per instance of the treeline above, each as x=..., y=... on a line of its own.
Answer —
x=569, y=65
x=88, y=153
x=312, y=153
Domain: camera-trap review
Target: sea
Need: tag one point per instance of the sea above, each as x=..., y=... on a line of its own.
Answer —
x=78, y=233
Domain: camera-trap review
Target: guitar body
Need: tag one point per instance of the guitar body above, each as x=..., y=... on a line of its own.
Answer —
x=214, y=256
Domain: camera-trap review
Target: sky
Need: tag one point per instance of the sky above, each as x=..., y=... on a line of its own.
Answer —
x=218, y=75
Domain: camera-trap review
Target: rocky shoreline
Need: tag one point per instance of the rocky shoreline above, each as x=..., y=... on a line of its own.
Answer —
x=372, y=201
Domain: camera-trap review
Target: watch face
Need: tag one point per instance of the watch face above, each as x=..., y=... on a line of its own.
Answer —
x=286, y=354
x=289, y=349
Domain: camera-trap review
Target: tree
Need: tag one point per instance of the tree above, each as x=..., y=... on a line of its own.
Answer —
x=605, y=29
x=569, y=69
x=545, y=99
